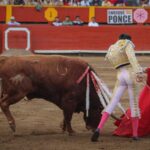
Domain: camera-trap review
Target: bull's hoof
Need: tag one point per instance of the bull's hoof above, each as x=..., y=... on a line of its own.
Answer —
x=63, y=130
x=63, y=127
x=135, y=138
x=95, y=136
x=12, y=126
x=71, y=133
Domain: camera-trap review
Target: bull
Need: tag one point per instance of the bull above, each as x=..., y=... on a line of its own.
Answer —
x=52, y=78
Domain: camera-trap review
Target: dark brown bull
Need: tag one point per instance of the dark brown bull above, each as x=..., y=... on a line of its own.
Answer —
x=52, y=78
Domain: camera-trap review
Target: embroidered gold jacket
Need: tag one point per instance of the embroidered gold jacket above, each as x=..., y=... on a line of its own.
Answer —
x=122, y=52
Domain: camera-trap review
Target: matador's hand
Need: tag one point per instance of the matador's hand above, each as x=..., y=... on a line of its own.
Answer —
x=140, y=77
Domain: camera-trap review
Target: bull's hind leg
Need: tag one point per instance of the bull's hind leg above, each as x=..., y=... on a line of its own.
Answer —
x=5, y=109
x=5, y=102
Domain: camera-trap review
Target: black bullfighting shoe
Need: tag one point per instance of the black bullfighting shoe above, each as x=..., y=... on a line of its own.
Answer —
x=95, y=136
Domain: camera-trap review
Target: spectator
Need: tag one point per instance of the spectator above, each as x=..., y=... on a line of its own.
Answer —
x=78, y=21
x=136, y=2
x=93, y=23
x=58, y=2
x=66, y=2
x=10, y=2
x=13, y=21
x=38, y=5
x=121, y=2
x=3, y=2
x=113, y=2
x=97, y=3
x=67, y=21
x=106, y=3
x=85, y=3
x=52, y=2
x=37, y=2
x=29, y=2
x=19, y=2
x=144, y=3
x=132, y=2
x=57, y=22
x=6, y=2
x=46, y=2
x=74, y=3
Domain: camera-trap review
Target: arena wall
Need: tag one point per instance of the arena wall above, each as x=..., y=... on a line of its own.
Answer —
x=30, y=14
x=46, y=37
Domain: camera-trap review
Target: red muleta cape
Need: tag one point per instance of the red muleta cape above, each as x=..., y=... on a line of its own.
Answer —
x=125, y=126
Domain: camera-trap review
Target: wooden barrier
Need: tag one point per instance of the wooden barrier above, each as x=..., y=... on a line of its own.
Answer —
x=46, y=37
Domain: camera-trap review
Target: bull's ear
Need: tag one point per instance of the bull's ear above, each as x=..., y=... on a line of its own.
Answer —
x=3, y=59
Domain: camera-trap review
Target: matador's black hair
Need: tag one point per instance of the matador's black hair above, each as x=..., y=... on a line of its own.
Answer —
x=125, y=36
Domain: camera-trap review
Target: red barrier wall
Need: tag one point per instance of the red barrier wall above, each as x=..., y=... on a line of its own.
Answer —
x=1, y=37
x=2, y=13
x=17, y=39
x=46, y=37
x=30, y=14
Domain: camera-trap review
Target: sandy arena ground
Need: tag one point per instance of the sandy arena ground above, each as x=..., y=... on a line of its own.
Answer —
x=38, y=123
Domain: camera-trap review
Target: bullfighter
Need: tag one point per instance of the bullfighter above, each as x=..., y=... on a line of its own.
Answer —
x=121, y=55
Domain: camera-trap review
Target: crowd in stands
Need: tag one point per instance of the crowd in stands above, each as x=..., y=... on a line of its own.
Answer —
x=78, y=2
x=66, y=22
x=77, y=22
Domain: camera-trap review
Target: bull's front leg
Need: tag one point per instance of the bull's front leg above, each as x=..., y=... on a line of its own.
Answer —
x=67, y=121
x=68, y=106
x=63, y=125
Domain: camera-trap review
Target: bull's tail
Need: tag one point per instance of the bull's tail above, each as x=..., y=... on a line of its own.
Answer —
x=100, y=87
x=103, y=91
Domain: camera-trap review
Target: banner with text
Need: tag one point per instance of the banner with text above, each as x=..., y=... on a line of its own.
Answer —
x=119, y=16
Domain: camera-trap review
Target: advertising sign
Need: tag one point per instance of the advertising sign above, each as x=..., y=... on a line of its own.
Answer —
x=119, y=16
